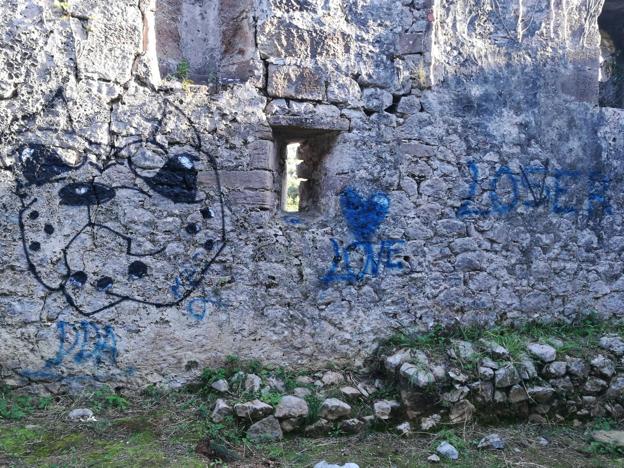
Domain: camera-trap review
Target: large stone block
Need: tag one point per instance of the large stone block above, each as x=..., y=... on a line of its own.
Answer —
x=296, y=82
x=410, y=44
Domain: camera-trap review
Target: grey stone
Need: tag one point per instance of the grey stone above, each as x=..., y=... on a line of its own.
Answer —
x=287, y=81
x=352, y=426
x=603, y=365
x=350, y=392
x=409, y=105
x=291, y=407
x=221, y=385
x=253, y=410
x=416, y=375
x=609, y=437
x=276, y=384
x=555, y=369
x=506, y=377
x=291, y=424
x=614, y=343
x=461, y=349
x=431, y=422
x=332, y=378
x=492, y=441
x=485, y=373
x=517, y=394
x=81, y=414
x=324, y=464
x=447, y=451
x=497, y=351
x=410, y=44
x=376, y=100
x=526, y=368
x=433, y=458
x=456, y=394
x=404, y=428
x=319, y=428
x=577, y=367
x=541, y=394
x=333, y=408
x=221, y=410
x=461, y=412
x=302, y=392
x=594, y=385
x=396, y=359
x=304, y=380
x=265, y=430
x=543, y=352
x=382, y=409
x=252, y=383
x=616, y=388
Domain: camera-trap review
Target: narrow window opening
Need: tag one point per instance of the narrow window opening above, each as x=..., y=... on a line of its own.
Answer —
x=611, y=24
x=306, y=170
x=291, y=192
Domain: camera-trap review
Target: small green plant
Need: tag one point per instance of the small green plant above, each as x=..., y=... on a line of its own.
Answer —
x=106, y=398
x=314, y=408
x=271, y=398
x=183, y=70
x=451, y=437
x=602, y=448
x=16, y=407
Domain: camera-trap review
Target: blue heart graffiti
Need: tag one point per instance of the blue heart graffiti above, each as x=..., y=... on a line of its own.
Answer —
x=364, y=216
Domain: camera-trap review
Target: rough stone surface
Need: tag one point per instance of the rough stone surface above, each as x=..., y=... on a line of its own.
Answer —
x=221, y=410
x=615, y=344
x=492, y=441
x=506, y=377
x=609, y=437
x=291, y=407
x=141, y=168
x=447, y=451
x=253, y=410
x=333, y=408
x=81, y=414
x=265, y=430
x=545, y=353
x=221, y=385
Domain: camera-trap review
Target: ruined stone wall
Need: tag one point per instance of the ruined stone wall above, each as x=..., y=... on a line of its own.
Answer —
x=459, y=169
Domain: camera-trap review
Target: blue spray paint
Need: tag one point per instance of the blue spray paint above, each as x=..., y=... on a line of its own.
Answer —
x=91, y=345
x=466, y=208
x=497, y=205
x=561, y=189
x=363, y=217
x=536, y=194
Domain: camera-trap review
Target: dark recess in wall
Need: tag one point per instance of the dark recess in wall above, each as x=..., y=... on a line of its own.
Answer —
x=611, y=23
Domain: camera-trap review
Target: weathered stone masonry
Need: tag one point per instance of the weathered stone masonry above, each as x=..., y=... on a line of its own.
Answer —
x=459, y=170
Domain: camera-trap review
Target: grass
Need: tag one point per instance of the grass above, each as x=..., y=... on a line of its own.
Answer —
x=162, y=428
x=16, y=407
x=569, y=338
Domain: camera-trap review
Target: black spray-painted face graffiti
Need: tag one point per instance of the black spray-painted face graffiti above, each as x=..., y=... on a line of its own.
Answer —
x=129, y=231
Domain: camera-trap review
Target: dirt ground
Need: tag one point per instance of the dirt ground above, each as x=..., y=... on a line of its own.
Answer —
x=167, y=430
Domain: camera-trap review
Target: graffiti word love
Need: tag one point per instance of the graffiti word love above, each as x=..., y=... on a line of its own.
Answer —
x=369, y=260
x=562, y=191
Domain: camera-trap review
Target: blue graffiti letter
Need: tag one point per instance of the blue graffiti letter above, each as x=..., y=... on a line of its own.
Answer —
x=499, y=207
x=559, y=191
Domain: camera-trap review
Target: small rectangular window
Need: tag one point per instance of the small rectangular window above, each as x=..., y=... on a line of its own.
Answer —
x=291, y=193
x=611, y=23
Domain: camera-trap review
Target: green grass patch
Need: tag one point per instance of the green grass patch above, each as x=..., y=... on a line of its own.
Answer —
x=570, y=338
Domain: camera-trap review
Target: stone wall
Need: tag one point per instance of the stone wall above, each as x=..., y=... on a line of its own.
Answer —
x=462, y=172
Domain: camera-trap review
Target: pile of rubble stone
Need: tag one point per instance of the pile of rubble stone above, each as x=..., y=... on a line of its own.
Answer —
x=471, y=380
